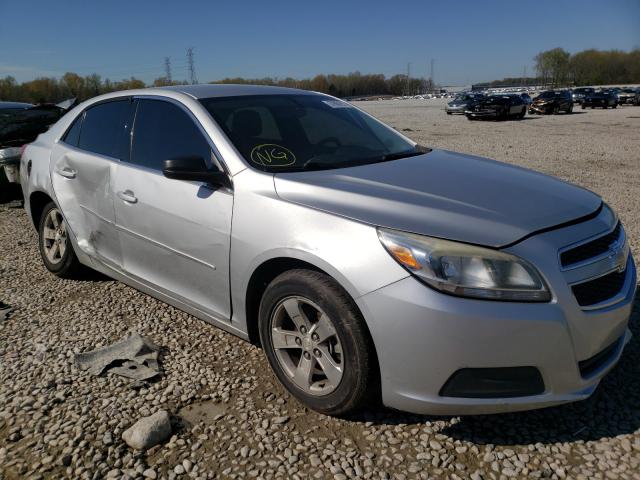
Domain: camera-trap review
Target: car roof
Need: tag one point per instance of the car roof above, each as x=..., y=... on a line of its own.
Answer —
x=232, y=90
x=15, y=105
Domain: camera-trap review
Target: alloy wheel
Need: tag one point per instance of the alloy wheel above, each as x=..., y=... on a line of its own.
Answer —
x=306, y=345
x=54, y=238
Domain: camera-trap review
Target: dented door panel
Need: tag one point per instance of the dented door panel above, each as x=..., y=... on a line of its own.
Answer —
x=82, y=185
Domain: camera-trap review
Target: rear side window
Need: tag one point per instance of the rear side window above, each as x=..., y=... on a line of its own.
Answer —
x=73, y=134
x=103, y=129
x=163, y=131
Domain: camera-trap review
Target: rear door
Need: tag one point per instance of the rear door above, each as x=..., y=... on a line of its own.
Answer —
x=175, y=235
x=83, y=165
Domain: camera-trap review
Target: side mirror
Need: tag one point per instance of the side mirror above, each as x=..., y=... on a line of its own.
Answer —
x=194, y=168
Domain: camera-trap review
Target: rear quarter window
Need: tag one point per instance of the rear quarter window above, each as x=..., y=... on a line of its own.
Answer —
x=73, y=133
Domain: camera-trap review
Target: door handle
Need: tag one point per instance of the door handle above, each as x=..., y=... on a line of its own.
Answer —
x=66, y=172
x=128, y=196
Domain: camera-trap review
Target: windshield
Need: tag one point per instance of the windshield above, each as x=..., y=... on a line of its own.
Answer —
x=550, y=94
x=278, y=133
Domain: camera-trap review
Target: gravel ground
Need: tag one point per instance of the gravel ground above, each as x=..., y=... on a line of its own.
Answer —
x=232, y=420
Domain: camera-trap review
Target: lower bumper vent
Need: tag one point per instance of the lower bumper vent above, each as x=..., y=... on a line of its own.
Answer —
x=504, y=382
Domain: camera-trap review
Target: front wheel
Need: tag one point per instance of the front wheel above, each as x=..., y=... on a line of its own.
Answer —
x=316, y=342
x=55, y=245
x=570, y=109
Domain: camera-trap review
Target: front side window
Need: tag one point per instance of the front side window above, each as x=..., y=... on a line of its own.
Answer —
x=163, y=131
x=103, y=128
x=279, y=133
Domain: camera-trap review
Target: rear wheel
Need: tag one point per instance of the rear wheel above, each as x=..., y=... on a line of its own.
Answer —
x=570, y=109
x=55, y=245
x=614, y=105
x=584, y=106
x=556, y=110
x=316, y=342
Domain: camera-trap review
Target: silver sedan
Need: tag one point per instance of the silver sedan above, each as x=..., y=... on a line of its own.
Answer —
x=365, y=265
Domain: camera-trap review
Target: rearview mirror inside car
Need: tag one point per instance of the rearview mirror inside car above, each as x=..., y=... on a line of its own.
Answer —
x=194, y=168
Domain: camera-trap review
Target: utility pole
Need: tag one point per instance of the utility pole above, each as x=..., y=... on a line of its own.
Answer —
x=167, y=69
x=408, y=79
x=192, y=68
x=433, y=80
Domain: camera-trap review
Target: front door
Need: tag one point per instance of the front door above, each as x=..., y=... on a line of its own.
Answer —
x=175, y=235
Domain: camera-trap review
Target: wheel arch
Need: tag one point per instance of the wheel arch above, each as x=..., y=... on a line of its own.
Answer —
x=37, y=201
x=266, y=272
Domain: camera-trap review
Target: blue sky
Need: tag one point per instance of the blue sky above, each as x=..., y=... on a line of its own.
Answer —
x=470, y=41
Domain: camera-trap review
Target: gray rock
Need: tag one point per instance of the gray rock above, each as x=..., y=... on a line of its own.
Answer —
x=148, y=431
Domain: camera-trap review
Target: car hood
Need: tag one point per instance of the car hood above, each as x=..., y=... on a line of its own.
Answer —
x=443, y=194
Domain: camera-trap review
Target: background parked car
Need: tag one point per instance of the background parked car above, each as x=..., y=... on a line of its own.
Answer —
x=581, y=92
x=460, y=103
x=497, y=106
x=629, y=96
x=552, y=101
x=21, y=123
x=602, y=99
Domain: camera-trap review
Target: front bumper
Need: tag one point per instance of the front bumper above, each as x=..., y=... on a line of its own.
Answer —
x=424, y=337
x=455, y=109
x=537, y=108
x=482, y=113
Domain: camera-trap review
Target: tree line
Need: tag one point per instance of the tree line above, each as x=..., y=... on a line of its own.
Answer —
x=555, y=67
x=50, y=89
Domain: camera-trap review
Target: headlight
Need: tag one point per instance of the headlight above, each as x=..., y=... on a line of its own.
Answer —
x=466, y=270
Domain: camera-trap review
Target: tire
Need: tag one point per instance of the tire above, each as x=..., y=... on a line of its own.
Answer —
x=570, y=109
x=556, y=110
x=448, y=113
x=522, y=114
x=55, y=247
x=313, y=296
x=584, y=107
x=615, y=105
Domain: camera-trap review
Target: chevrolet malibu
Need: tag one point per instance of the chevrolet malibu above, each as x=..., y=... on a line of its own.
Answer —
x=366, y=266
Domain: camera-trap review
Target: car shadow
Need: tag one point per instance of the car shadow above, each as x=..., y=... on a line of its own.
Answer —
x=612, y=410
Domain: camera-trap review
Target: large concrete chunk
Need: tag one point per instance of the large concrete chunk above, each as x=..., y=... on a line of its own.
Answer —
x=148, y=431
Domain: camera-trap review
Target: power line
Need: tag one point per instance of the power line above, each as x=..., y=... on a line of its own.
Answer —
x=192, y=68
x=167, y=68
